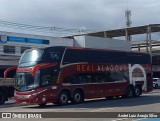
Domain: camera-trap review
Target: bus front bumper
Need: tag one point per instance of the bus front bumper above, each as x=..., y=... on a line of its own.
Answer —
x=34, y=98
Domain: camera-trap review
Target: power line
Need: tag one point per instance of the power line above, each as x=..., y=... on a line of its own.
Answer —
x=39, y=28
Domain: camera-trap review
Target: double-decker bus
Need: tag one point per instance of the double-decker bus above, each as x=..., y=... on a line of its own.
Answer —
x=62, y=74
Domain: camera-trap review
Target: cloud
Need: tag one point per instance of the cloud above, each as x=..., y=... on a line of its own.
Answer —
x=91, y=14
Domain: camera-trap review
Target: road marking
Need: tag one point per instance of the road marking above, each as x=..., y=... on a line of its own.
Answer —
x=120, y=119
x=102, y=109
x=139, y=119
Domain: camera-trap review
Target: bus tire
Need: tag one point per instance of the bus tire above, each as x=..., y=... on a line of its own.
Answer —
x=77, y=97
x=2, y=98
x=129, y=92
x=63, y=98
x=137, y=91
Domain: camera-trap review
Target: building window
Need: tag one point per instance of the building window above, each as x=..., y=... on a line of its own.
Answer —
x=9, y=49
x=24, y=48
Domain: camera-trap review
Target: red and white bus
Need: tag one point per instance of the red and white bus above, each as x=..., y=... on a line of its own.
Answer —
x=62, y=74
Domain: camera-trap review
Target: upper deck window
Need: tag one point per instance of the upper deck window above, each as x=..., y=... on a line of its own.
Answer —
x=30, y=57
x=52, y=54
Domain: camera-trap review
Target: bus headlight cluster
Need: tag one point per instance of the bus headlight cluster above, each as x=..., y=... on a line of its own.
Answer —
x=37, y=93
x=22, y=96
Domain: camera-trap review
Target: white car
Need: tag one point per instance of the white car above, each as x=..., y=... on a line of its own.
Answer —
x=156, y=83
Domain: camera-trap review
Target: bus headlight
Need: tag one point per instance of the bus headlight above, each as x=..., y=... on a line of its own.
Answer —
x=22, y=96
x=27, y=96
x=37, y=93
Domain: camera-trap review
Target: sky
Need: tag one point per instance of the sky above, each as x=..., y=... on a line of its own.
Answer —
x=92, y=15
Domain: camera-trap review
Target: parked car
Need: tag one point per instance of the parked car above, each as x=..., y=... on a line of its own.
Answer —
x=156, y=83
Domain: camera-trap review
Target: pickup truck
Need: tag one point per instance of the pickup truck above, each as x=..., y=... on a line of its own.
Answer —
x=156, y=83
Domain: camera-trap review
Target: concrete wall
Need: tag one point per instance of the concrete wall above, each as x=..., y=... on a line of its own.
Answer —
x=102, y=43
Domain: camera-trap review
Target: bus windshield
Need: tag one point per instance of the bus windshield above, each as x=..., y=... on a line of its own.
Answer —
x=30, y=57
x=25, y=81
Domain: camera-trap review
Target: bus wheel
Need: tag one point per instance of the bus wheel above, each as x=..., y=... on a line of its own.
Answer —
x=63, y=98
x=77, y=97
x=137, y=91
x=2, y=98
x=129, y=92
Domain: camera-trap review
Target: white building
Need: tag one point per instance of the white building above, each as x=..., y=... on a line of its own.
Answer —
x=12, y=45
x=101, y=43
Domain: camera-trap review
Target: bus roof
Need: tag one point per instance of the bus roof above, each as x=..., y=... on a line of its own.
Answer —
x=82, y=48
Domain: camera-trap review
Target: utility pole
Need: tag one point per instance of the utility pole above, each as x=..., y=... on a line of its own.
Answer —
x=128, y=18
x=128, y=23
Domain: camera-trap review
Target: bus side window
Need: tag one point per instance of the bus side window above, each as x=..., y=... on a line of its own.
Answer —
x=99, y=78
x=46, y=80
x=78, y=79
x=108, y=77
x=89, y=78
x=54, y=79
x=82, y=78
x=54, y=56
x=119, y=76
x=54, y=75
x=67, y=80
x=70, y=79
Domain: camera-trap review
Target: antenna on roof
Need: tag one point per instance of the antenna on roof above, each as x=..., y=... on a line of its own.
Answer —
x=128, y=17
x=128, y=23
